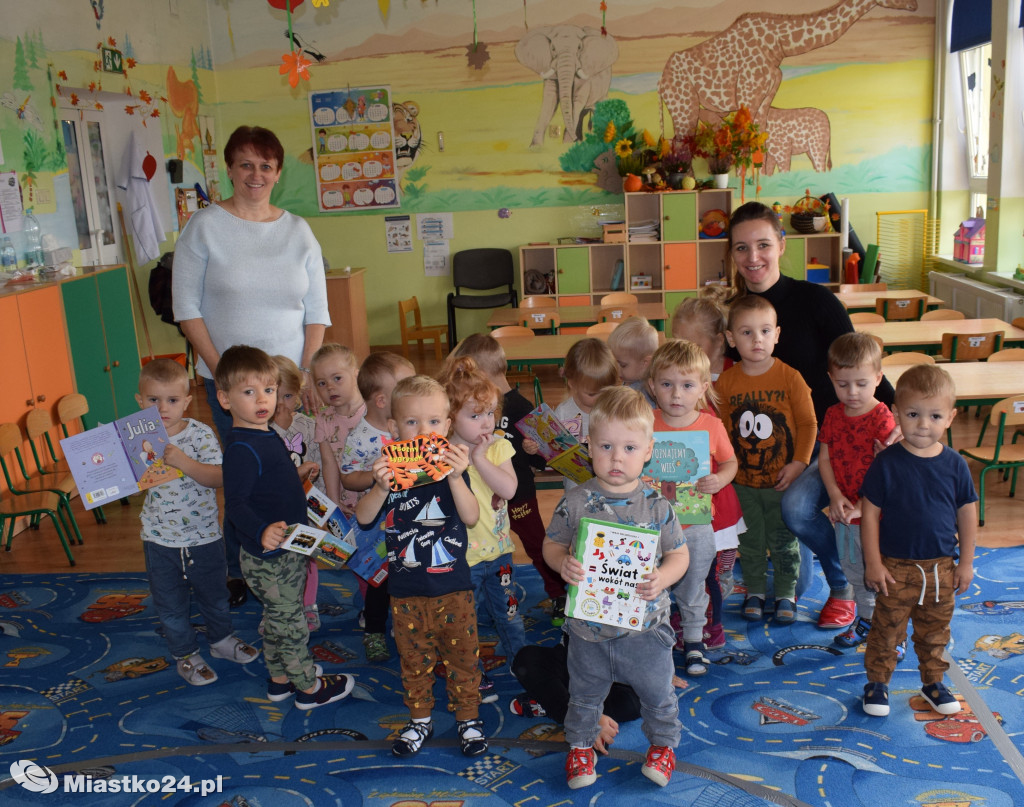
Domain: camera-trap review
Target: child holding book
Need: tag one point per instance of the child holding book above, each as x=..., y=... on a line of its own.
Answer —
x=334, y=369
x=680, y=379
x=187, y=562
x=621, y=440
x=633, y=344
x=767, y=409
x=432, y=605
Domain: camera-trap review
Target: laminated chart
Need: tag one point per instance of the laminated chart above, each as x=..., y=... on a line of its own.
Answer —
x=354, y=149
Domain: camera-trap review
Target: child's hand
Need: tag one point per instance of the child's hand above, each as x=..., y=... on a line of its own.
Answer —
x=841, y=510
x=531, y=446
x=963, y=574
x=651, y=587
x=877, y=578
x=712, y=483
x=382, y=474
x=478, y=451
x=609, y=731
x=788, y=475
x=458, y=457
x=173, y=456
x=309, y=470
x=273, y=536
x=571, y=570
x=893, y=437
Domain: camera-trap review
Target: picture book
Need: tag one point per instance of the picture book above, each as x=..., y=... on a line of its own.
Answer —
x=117, y=459
x=615, y=558
x=559, y=448
x=418, y=461
x=679, y=459
x=343, y=543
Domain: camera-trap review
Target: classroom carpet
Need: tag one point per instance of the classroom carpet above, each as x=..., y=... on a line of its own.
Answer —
x=88, y=690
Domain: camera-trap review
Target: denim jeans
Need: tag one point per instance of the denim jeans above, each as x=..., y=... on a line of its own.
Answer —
x=222, y=422
x=641, y=659
x=173, y=571
x=802, y=506
x=501, y=602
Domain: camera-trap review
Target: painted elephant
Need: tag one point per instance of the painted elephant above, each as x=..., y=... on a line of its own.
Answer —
x=576, y=65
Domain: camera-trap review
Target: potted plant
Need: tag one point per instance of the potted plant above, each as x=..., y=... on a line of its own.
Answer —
x=677, y=161
x=635, y=153
x=736, y=141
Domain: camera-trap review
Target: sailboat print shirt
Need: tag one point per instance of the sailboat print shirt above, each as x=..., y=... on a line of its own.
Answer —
x=426, y=541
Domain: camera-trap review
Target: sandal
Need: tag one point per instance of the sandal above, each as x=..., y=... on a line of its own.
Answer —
x=412, y=737
x=234, y=649
x=472, y=737
x=753, y=608
x=196, y=671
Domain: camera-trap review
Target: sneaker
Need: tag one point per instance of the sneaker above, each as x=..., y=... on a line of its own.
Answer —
x=714, y=636
x=854, y=635
x=579, y=767
x=361, y=619
x=472, y=737
x=753, y=608
x=312, y=617
x=876, y=700
x=727, y=583
x=661, y=761
x=525, y=706
x=376, y=647
x=234, y=649
x=901, y=651
x=487, y=693
x=558, y=611
x=332, y=688
x=196, y=671
x=785, y=611
x=411, y=738
x=941, y=699
x=837, y=613
x=279, y=692
x=696, y=663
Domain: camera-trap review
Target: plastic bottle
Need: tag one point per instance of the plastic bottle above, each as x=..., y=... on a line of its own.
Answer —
x=8, y=257
x=33, y=240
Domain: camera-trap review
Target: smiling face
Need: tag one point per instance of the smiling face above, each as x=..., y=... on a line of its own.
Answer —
x=251, y=402
x=678, y=395
x=475, y=421
x=619, y=454
x=253, y=176
x=754, y=334
x=855, y=387
x=924, y=420
x=170, y=398
x=414, y=415
x=756, y=249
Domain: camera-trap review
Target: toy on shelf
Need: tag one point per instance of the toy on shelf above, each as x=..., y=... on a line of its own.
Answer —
x=969, y=241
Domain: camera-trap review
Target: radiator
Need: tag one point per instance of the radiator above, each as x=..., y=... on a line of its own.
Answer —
x=975, y=299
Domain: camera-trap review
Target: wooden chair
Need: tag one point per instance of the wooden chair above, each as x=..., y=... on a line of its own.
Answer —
x=25, y=484
x=910, y=357
x=511, y=332
x=866, y=317
x=942, y=313
x=542, y=318
x=37, y=429
x=970, y=346
x=619, y=298
x=880, y=341
x=33, y=506
x=71, y=411
x=538, y=301
x=616, y=313
x=895, y=309
x=1008, y=458
x=1007, y=354
x=847, y=288
x=418, y=332
x=603, y=328
x=1018, y=322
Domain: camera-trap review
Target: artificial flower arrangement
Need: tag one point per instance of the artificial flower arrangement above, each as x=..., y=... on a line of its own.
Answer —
x=736, y=141
x=634, y=150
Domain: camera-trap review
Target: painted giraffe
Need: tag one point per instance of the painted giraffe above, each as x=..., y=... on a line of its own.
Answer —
x=741, y=65
x=805, y=130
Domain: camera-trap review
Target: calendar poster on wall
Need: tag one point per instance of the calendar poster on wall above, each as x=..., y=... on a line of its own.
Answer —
x=354, y=149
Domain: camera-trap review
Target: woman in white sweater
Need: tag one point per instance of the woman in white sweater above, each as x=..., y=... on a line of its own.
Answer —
x=248, y=272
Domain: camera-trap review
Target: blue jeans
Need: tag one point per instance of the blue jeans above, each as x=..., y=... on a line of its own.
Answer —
x=172, y=572
x=222, y=423
x=802, y=506
x=642, y=660
x=501, y=601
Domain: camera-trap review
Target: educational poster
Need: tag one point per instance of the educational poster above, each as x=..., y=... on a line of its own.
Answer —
x=354, y=149
x=679, y=459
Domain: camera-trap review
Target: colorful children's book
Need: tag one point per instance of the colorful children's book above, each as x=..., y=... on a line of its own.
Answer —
x=117, y=459
x=615, y=558
x=562, y=452
x=418, y=461
x=679, y=459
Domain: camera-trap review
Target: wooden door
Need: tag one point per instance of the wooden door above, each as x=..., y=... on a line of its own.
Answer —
x=46, y=347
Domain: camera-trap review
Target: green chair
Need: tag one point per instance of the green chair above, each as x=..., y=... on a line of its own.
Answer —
x=999, y=457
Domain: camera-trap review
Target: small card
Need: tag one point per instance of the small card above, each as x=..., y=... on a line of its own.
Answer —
x=302, y=539
x=419, y=461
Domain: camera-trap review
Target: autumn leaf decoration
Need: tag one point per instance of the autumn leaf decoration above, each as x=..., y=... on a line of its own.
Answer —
x=293, y=63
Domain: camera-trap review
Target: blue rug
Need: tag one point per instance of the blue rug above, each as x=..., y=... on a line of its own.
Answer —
x=88, y=688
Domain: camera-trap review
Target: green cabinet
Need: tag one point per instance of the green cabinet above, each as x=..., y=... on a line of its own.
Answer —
x=573, y=270
x=104, y=353
x=679, y=217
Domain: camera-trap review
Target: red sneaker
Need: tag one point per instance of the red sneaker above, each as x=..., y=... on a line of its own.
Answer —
x=661, y=761
x=579, y=767
x=837, y=614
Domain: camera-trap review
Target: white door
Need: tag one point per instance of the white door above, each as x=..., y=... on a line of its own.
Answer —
x=90, y=172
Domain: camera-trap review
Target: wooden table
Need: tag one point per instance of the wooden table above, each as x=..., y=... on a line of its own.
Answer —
x=655, y=313
x=927, y=336
x=865, y=300
x=978, y=383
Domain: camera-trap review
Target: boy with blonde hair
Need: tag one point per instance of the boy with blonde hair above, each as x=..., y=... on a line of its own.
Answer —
x=919, y=521
x=633, y=344
x=621, y=442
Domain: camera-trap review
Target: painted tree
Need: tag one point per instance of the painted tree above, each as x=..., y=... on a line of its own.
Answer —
x=129, y=49
x=40, y=47
x=30, y=52
x=21, y=80
x=195, y=77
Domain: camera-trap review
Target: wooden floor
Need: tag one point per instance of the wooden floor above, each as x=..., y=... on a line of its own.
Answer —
x=116, y=546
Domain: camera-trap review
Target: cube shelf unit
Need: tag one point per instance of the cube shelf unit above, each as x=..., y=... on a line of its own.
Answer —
x=678, y=265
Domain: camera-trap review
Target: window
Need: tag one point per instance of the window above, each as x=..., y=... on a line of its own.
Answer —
x=976, y=80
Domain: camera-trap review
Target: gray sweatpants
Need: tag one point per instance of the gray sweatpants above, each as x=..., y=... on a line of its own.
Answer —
x=690, y=593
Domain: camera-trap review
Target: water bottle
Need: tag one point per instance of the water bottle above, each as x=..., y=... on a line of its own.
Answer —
x=33, y=240
x=8, y=257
